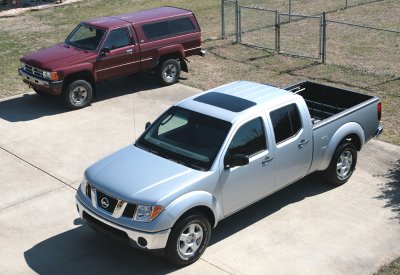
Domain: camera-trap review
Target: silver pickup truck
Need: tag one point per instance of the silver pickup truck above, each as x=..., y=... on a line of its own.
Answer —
x=215, y=153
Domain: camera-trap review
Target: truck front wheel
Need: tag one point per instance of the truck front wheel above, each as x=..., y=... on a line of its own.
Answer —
x=78, y=94
x=342, y=164
x=168, y=72
x=188, y=240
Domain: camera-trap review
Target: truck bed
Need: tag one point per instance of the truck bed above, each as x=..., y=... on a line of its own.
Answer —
x=326, y=101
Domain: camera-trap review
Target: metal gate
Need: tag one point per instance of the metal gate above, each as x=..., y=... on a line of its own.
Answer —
x=301, y=35
x=285, y=33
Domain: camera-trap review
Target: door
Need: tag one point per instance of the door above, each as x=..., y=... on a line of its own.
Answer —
x=293, y=144
x=242, y=185
x=123, y=57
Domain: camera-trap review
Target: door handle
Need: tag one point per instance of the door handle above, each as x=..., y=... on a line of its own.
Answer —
x=266, y=160
x=129, y=51
x=302, y=143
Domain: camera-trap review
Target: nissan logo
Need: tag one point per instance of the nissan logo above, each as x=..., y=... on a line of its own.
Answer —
x=104, y=202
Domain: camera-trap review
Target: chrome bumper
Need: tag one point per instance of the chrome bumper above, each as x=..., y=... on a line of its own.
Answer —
x=154, y=240
x=203, y=53
x=37, y=81
x=379, y=130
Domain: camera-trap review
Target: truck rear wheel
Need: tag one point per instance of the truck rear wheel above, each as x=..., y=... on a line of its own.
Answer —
x=168, y=72
x=78, y=94
x=342, y=164
x=189, y=239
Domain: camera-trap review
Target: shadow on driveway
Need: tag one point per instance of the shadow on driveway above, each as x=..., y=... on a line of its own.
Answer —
x=33, y=106
x=391, y=190
x=85, y=251
x=82, y=250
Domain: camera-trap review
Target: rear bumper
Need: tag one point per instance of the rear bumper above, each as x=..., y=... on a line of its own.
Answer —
x=202, y=53
x=153, y=240
x=379, y=130
x=51, y=87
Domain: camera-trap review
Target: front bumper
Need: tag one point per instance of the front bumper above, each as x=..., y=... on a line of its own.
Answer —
x=52, y=87
x=153, y=240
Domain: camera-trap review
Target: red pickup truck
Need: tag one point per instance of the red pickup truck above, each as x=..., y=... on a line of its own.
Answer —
x=99, y=49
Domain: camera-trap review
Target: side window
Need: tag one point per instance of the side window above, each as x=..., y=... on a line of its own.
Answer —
x=117, y=39
x=286, y=122
x=168, y=28
x=156, y=30
x=249, y=139
x=181, y=25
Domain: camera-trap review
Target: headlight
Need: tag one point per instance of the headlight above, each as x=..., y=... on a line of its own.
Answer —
x=146, y=213
x=84, y=184
x=50, y=75
x=46, y=74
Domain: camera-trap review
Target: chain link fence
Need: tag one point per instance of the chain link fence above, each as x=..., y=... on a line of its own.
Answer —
x=368, y=48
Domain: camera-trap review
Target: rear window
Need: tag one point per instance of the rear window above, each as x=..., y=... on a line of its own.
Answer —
x=168, y=28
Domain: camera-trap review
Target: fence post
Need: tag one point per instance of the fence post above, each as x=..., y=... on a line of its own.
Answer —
x=240, y=23
x=290, y=9
x=277, y=32
x=237, y=20
x=323, y=57
x=346, y=4
x=222, y=18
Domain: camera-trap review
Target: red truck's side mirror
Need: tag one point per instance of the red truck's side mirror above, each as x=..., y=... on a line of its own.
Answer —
x=103, y=51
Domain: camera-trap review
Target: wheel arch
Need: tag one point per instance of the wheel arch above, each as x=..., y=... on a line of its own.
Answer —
x=81, y=75
x=349, y=132
x=196, y=201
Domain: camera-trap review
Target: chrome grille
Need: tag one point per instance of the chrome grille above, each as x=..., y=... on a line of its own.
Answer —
x=33, y=70
x=109, y=204
x=128, y=212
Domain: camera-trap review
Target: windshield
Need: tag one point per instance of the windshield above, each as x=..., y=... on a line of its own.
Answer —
x=187, y=137
x=85, y=37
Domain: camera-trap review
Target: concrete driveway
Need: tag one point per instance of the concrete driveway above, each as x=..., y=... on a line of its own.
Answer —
x=307, y=228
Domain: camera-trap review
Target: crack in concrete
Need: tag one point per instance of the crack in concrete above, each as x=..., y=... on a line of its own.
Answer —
x=30, y=198
x=38, y=168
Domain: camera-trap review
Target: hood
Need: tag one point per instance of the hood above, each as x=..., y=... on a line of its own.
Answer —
x=56, y=57
x=137, y=176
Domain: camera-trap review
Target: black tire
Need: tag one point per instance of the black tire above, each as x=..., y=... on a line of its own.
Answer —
x=168, y=72
x=344, y=157
x=176, y=246
x=78, y=94
x=39, y=92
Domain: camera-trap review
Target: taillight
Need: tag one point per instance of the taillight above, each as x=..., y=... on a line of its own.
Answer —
x=379, y=111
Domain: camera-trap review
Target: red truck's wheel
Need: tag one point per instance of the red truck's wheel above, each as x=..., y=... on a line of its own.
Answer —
x=78, y=94
x=168, y=72
x=342, y=164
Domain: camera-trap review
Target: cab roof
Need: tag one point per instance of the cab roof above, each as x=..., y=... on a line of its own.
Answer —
x=235, y=100
x=136, y=17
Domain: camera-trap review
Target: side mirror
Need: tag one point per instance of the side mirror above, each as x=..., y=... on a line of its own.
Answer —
x=236, y=160
x=103, y=51
x=148, y=124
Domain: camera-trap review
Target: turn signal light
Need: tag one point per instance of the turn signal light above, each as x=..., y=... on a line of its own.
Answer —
x=53, y=76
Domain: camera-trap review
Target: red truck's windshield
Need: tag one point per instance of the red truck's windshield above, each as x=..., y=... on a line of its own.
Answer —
x=85, y=37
